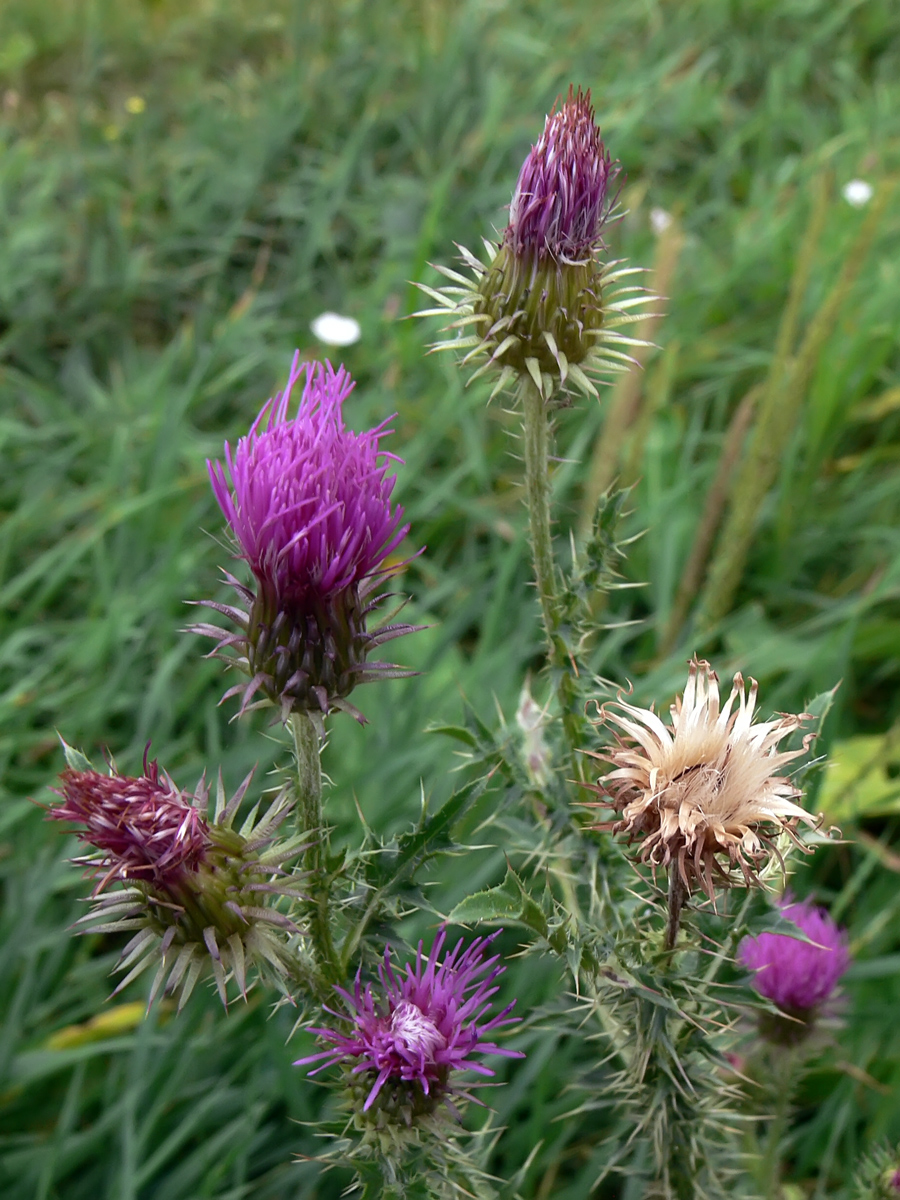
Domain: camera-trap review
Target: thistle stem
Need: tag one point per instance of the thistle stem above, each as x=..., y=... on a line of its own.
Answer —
x=784, y=1080
x=309, y=793
x=536, y=436
x=677, y=897
x=537, y=489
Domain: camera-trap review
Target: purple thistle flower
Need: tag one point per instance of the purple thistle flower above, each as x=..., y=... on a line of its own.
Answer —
x=561, y=197
x=309, y=504
x=429, y=1023
x=797, y=976
x=198, y=896
x=546, y=306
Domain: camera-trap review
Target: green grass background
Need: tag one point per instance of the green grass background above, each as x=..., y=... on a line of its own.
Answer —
x=158, y=267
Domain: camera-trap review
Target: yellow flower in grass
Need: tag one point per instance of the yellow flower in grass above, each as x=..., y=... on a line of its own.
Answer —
x=704, y=792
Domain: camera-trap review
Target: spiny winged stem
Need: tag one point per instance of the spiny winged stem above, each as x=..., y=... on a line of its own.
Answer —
x=536, y=435
x=665, y=1102
x=676, y=899
x=318, y=883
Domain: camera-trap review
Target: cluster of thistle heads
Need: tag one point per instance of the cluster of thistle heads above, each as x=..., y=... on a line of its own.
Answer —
x=309, y=505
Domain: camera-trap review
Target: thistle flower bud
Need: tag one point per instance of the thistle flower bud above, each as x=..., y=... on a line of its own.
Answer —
x=406, y=1047
x=200, y=895
x=799, y=977
x=308, y=502
x=878, y=1175
x=706, y=787
x=543, y=305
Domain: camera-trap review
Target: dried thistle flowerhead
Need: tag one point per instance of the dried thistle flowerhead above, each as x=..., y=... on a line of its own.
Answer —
x=703, y=793
x=199, y=896
x=544, y=304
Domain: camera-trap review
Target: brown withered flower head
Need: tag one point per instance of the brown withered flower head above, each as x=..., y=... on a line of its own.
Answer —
x=704, y=792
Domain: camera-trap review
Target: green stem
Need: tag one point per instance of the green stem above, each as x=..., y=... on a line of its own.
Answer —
x=536, y=435
x=783, y=1087
x=536, y=429
x=315, y=860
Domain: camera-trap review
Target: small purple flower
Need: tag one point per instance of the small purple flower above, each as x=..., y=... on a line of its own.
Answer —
x=798, y=976
x=309, y=504
x=894, y=1181
x=561, y=198
x=429, y=1023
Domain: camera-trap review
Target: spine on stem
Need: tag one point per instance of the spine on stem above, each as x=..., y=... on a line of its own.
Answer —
x=308, y=767
x=536, y=433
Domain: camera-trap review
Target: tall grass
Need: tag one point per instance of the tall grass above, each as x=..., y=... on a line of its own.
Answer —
x=182, y=188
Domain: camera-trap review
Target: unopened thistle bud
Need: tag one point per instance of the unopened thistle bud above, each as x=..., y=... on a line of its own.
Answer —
x=546, y=304
x=199, y=897
x=702, y=794
x=799, y=977
x=406, y=1047
x=308, y=502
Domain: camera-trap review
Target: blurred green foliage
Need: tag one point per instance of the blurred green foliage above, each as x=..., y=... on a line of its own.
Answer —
x=182, y=189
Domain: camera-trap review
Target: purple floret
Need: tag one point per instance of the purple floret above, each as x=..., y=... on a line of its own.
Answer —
x=145, y=828
x=432, y=1018
x=561, y=198
x=798, y=976
x=308, y=499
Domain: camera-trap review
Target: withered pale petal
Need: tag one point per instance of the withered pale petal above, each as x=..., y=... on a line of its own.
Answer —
x=704, y=792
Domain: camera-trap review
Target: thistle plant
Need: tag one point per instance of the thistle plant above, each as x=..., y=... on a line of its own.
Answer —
x=547, y=311
x=710, y=799
x=205, y=893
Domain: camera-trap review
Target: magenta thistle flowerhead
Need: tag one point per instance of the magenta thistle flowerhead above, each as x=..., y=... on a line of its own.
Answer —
x=547, y=307
x=431, y=1018
x=562, y=196
x=201, y=897
x=797, y=976
x=309, y=504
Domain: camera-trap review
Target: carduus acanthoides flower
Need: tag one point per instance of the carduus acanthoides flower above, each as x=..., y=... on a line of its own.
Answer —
x=703, y=793
x=200, y=897
x=547, y=303
x=309, y=503
x=432, y=1017
x=799, y=977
